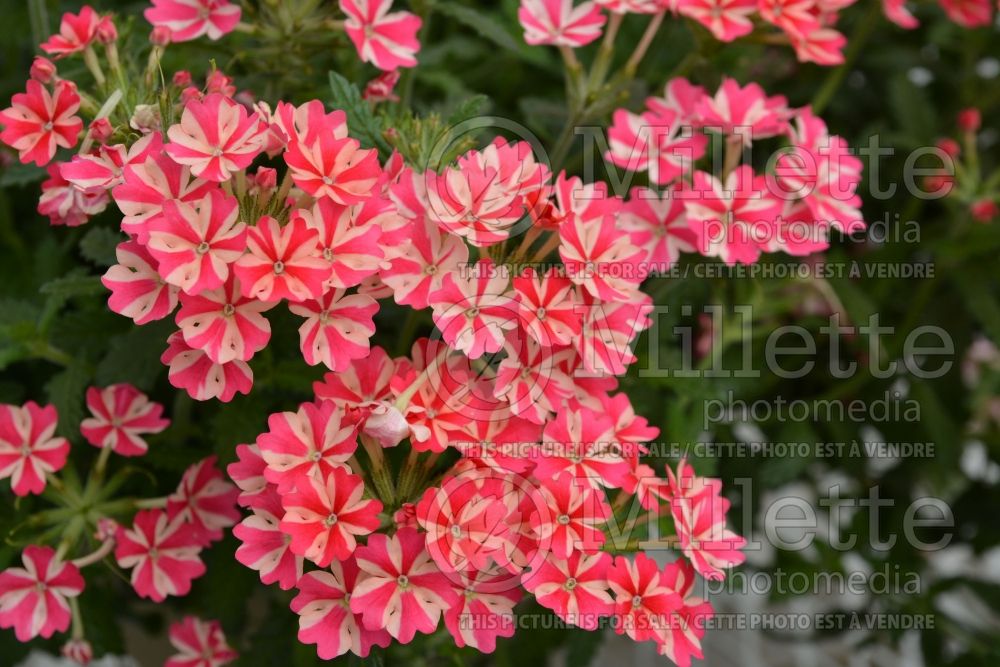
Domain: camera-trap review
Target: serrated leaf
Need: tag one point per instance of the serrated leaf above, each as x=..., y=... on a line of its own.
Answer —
x=361, y=121
x=65, y=391
x=18, y=175
x=98, y=245
x=134, y=357
x=73, y=285
x=487, y=26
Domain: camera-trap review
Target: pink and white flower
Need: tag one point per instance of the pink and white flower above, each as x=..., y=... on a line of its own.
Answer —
x=202, y=378
x=149, y=185
x=224, y=324
x=325, y=616
x=163, y=554
x=39, y=122
x=205, y=499
x=215, y=137
x=282, y=262
x=190, y=19
x=325, y=515
x=400, y=589
x=196, y=243
x=338, y=328
x=485, y=610
x=699, y=513
x=643, y=603
x=385, y=39
x=348, y=238
x=312, y=441
x=333, y=167
x=265, y=547
x=76, y=32
x=732, y=221
x=725, y=19
x=33, y=597
x=121, y=416
x=66, y=204
x=559, y=23
x=29, y=448
x=576, y=589
x=658, y=224
x=474, y=310
x=199, y=644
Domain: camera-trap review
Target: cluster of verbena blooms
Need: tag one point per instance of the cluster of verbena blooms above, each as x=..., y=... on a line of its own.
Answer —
x=523, y=468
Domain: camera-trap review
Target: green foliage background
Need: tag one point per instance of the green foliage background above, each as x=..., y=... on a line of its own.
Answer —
x=57, y=336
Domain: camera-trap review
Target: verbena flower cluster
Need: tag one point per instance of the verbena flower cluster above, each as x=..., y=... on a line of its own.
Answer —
x=522, y=470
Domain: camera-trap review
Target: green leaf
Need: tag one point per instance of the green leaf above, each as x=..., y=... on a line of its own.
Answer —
x=73, y=285
x=65, y=391
x=98, y=245
x=18, y=175
x=134, y=357
x=487, y=26
x=361, y=121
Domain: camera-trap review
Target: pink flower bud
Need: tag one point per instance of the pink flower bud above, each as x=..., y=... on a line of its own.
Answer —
x=266, y=178
x=950, y=147
x=217, y=82
x=160, y=36
x=106, y=32
x=79, y=651
x=984, y=210
x=182, y=78
x=387, y=425
x=406, y=516
x=938, y=184
x=101, y=130
x=146, y=118
x=190, y=93
x=43, y=70
x=970, y=120
x=106, y=529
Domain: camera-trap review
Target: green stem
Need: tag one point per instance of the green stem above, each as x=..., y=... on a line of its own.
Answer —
x=836, y=77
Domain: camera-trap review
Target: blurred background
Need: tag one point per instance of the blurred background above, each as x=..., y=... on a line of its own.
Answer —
x=931, y=441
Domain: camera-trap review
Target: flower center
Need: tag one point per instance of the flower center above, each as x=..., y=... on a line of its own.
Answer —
x=563, y=519
x=472, y=313
x=540, y=312
x=327, y=180
x=279, y=266
x=48, y=126
x=202, y=248
x=327, y=254
x=154, y=553
x=637, y=601
x=228, y=310
x=316, y=456
x=25, y=450
x=403, y=581
x=430, y=270
x=330, y=520
x=217, y=152
x=570, y=584
x=456, y=531
x=41, y=586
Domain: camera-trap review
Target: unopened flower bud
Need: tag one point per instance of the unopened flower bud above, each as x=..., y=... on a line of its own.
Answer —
x=106, y=32
x=182, y=78
x=266, y=178
x=406, y=516
x=949, y=147
x=146, y=118
x=970, y=120
x=101, y=130
x=106, y=529
x=160, y=36
x=79, y=651
x=386, y=425
x=984, y=210
x=43, y=70
x=190, y=93
x=217, y=82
